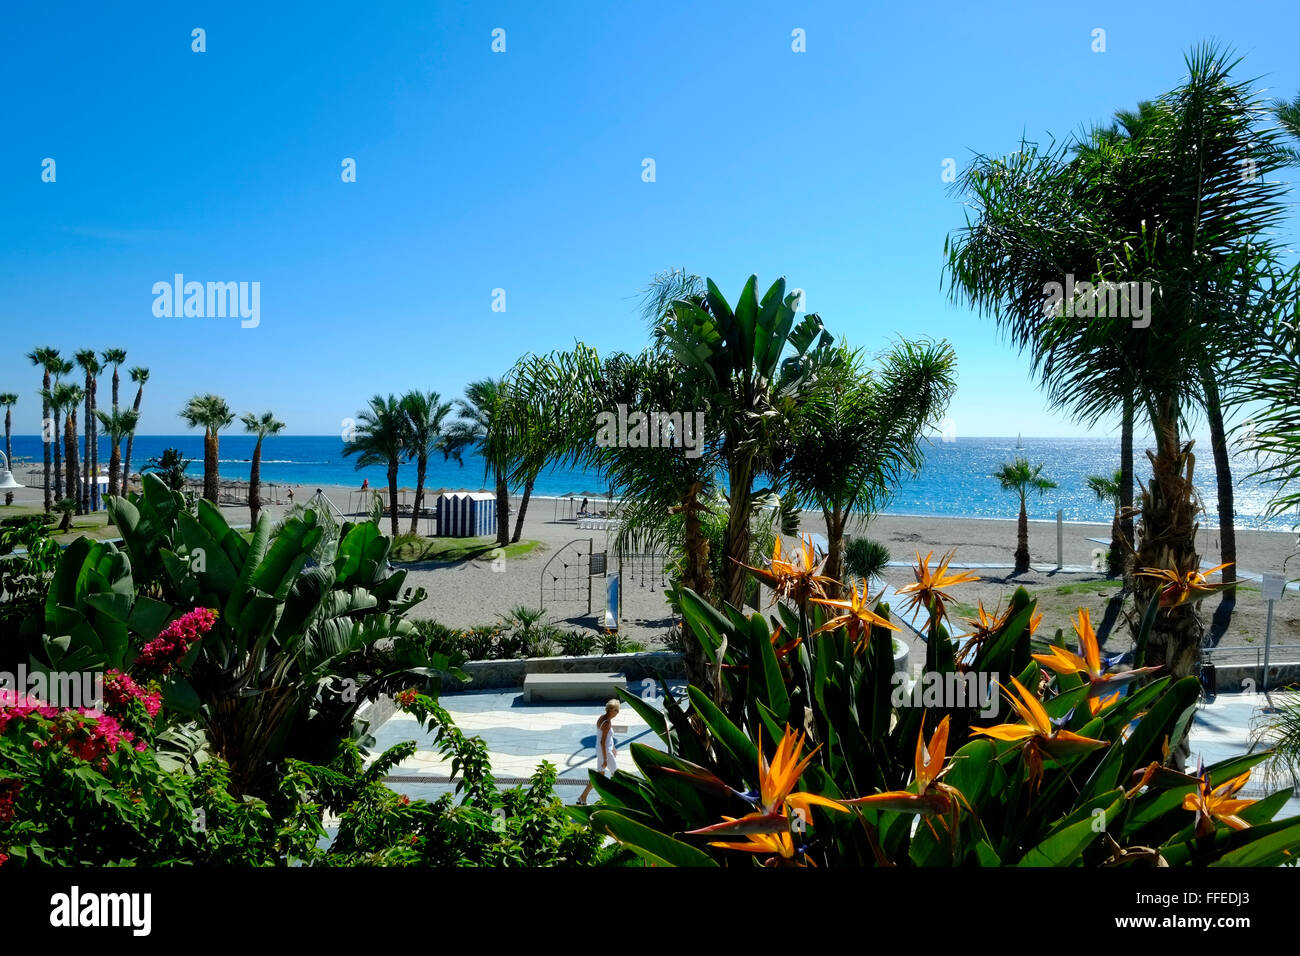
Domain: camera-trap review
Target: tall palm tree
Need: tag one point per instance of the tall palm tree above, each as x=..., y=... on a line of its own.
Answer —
x=267, y=424
x=756, y=364
x=89, y=362
x=45, y=359
x=8, y=400
x=59, y=368
x=382, y=437
x=68, y=398
x=139, y=375
x=115, y=358
x=1168, y=206
x=211, y=413
x=1108, y=489
x=480, y=428
x=117, y=426
x=425, y=412
x=859, y=433
x=1021, y=477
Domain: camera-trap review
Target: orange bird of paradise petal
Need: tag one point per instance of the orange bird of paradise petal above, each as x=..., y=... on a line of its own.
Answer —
x=856, y=616
x=1183, y=587
x=928, y=589
x=1217, y=803
x=1037, y=729
x=800, y=579
x=931, y=796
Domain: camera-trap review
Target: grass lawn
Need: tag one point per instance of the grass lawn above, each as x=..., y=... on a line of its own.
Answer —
x=410, y=548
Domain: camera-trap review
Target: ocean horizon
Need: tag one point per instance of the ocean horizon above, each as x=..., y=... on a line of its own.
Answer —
x=955, y=480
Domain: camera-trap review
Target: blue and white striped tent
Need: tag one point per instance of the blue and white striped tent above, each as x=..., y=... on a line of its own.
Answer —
x=467, y=514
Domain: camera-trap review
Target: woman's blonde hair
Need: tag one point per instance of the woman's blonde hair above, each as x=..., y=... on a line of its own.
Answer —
x=612, y=705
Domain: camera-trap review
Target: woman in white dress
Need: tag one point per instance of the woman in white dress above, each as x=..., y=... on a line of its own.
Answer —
x=606, y=751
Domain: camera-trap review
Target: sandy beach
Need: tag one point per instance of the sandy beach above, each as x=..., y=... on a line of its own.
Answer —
x=469, y=593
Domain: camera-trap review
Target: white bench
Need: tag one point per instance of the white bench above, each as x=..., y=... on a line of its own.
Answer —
x=601, y=687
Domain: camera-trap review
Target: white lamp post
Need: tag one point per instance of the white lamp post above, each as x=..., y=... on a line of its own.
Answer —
x=7, y=481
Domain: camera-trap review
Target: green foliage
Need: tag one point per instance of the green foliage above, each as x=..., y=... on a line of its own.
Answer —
x=865, y=559
x=299, y=646
x=1041, y=801
x=478, y=825
x=170, y=466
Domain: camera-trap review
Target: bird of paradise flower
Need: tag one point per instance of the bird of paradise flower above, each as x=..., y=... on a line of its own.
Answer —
x=1041, y=736
x=1182, y=587
x=1105, y=688
x=928, y=591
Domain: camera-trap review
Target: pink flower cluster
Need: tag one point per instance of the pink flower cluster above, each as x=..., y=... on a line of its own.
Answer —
x=86, y=733
x=120, y=690
x=405, y=698
x=162, y=653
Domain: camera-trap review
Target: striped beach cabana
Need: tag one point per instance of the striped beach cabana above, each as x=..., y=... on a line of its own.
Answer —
x=467, y=514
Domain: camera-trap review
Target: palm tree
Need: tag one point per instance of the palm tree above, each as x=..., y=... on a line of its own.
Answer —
x=117, y=426
x=45, y=359
x=382, y=437
x=1019, y=476
x=67, y=398
x=8, y=400
x=1168, y=206
x=211, y=413
x=89, y=362
x=859, y=433
x=483, y=413
x=59, y=368
x=139, y=375
x=267, y=424
x=1108, y=489
x=755, y=365
x=114, y=357
x=425, y=412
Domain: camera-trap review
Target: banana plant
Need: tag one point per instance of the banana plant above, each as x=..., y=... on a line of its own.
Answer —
x=820, y=756
x=298, y=646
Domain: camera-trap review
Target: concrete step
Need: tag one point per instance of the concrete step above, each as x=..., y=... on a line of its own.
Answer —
x=601, y=687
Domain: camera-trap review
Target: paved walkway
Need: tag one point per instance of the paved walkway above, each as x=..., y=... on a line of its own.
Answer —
x=519, y=736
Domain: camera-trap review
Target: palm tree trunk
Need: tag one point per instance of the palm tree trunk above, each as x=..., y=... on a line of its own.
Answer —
x=255, y=483
x=1022, y=538
x=734, y=576
x=696, y=576
x=211, y=475
x=70, y=456
x=92, y=429
x=392, y=497
x=523, y=507
x=1121, y=545
x=9, y=450
x=503, y=510
x=421, y=466
x=45, y=442
x=834, y=567
x=114, y=469
x=58, y=455
x=1167, y=536
x=130, y=441
x=1223, y=481
x=83, y=490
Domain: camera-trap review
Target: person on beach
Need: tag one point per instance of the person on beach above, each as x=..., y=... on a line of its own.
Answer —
x=606, y=751
x=290, y=497
x=583, y=509
x=365, y=484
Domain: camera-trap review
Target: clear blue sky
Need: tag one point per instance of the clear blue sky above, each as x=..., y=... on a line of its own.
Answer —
x=522, y=171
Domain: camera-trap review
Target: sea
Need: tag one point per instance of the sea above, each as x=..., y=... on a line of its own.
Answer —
x=955, y=481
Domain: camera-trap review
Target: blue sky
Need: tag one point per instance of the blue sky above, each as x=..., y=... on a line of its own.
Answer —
x=523, y=171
